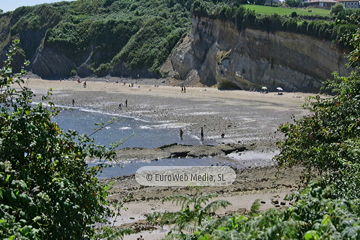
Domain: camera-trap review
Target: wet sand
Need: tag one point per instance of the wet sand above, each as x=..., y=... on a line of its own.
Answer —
x=249, y=118
x=241, y=115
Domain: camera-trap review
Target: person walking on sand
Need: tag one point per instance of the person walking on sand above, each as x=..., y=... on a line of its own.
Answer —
x=73, y=102
x=85, y=84
x=184, y=89
x=126, y=103
x=181, y=134
x=202, y=133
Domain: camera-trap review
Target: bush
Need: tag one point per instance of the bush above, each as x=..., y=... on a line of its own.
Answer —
x=47, y=190
x=293, y=14
x=293, y=3
x=337, y=8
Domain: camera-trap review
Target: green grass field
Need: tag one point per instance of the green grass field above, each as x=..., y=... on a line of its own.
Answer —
x=267, y=10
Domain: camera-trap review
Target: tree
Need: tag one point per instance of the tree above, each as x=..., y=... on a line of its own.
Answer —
x=47, y=190
x=260, y=2
x=337, y=8
x=292, y=3
x=194, y=211
x=293, y=15
x=327, y=142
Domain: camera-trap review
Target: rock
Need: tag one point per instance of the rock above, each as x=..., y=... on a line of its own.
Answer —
x=218, y=52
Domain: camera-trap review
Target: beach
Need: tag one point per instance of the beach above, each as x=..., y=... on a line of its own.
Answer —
x=243, y=117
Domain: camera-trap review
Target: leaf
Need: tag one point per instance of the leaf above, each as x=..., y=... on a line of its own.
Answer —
x=311, y=235
x=326, y=220
x=7, y=178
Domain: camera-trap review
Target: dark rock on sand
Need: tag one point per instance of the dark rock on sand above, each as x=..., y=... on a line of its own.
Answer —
x=178, y=151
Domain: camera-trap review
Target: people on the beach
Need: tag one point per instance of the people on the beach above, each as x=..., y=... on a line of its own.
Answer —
x=184, y=89
x=119, y=105
x=140, y=238
x=202, y=133
x=181, y=134
x=126, y=103
x=222, y=135
x=85, y=84
x=73, y=102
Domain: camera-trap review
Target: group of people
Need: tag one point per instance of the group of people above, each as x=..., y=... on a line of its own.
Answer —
x=183, y=89
x=201, y=134
x=79, y=81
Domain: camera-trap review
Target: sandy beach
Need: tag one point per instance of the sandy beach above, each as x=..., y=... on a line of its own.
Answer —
x=241, y=115
x=249, y=118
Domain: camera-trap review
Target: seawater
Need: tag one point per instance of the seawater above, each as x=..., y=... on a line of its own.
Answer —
x=135, y=132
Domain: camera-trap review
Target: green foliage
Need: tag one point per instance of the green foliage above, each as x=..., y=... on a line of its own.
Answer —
x=285, y=11
x=293, y=14
x=47, y=190
x=140, y=52
x=337, y=8
x=105, y=30
x=326, y=142
x=195, y=209
x=312, y=216
x=293, y=3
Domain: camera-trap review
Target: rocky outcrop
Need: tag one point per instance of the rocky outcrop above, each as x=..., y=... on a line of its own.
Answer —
x=51, y=64
x=218, y=52
x=178, y=151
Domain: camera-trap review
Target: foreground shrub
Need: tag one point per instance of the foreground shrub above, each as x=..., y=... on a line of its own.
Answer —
x=47, y=190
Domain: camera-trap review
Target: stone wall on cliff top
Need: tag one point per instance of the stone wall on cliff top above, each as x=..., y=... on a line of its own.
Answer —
x=253, y=58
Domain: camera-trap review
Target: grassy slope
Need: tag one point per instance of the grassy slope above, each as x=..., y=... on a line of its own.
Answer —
x=267, y=10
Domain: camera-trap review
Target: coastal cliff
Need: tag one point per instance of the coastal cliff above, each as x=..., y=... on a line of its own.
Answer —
x=215, y=52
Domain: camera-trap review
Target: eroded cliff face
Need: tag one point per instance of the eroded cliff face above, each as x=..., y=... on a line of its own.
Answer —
x=214, y=51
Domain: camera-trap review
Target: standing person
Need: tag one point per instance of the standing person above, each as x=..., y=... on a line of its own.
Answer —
x=202, y=133
x=126, y=103
x=73, y=102
x=85, y=84
x=181, y=134
x=184, y=89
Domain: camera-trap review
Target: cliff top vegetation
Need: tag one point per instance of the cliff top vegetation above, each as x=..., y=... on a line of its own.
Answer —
x=268, y=10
